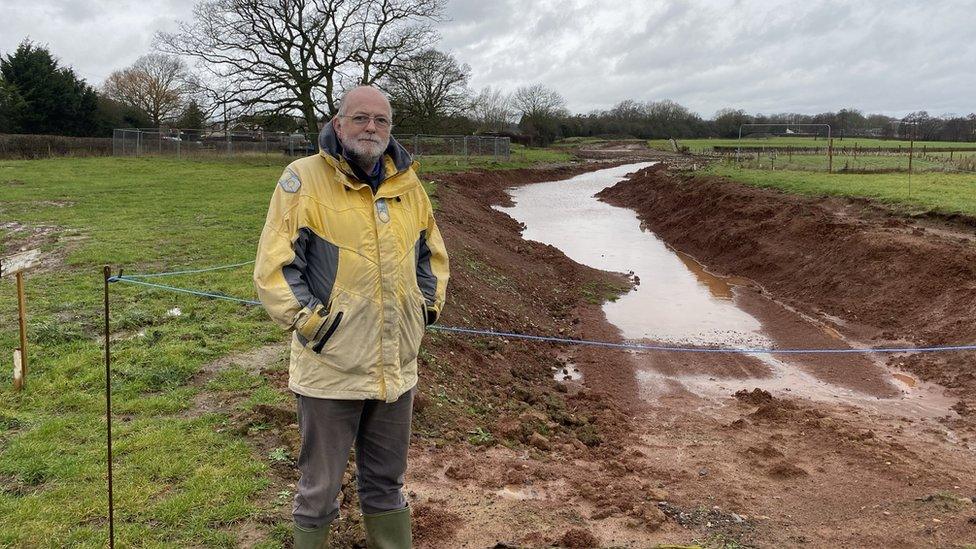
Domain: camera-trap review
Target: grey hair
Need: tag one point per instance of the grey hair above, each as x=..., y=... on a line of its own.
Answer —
x=342, y=102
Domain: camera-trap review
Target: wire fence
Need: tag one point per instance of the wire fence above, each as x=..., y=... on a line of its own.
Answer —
x=852, y=160
x=846, y=159
x=195, y=142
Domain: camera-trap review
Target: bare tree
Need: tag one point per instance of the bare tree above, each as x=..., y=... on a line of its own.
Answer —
x=283, y=56
x=538, y=101
x=492, y=110
x=392, y=31
x=155, y=84
x=427, y=89
x=541, y=108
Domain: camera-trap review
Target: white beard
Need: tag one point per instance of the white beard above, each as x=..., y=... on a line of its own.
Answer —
x=365, y=153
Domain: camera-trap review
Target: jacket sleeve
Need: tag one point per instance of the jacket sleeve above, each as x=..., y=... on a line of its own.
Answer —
x=279, y=268
x=432, y=265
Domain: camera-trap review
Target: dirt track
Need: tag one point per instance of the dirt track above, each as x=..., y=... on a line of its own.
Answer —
x=504, y=456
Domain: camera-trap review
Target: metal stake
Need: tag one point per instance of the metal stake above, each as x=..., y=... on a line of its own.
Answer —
x=107, y=271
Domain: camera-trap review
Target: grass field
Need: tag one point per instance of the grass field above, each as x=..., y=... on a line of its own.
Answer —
x=784, y=141
x=930, y=191
x=182, y=479
x=842, y=162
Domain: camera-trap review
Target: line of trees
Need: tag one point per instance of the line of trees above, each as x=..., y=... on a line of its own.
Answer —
x=282, y=66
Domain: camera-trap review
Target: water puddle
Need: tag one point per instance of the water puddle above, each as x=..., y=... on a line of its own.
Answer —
x=909, y=381
x=677, y=301
x=719, y=286
x=568, y=372
x=521, y=494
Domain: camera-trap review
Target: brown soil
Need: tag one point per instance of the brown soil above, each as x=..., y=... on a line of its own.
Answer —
x=504, y=456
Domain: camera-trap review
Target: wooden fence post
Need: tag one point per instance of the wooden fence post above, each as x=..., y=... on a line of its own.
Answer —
x=16, y=265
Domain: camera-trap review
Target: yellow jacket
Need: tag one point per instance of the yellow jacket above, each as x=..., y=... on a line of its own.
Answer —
x=357, y=276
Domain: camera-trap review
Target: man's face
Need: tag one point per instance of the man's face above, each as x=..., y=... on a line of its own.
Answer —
x=364, y=141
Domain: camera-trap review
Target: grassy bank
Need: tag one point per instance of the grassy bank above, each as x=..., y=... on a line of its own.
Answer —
x=930, y=191
x=184, y=478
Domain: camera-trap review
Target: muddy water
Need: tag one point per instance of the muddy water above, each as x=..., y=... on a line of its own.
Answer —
x=672, y=303
x=677, y=301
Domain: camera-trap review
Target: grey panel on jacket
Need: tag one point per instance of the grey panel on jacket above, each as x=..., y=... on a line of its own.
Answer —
x=311, y=275
x=425, y=276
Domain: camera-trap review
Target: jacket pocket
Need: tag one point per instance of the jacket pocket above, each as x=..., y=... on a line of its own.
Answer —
x=353, y=346
x=328, y=333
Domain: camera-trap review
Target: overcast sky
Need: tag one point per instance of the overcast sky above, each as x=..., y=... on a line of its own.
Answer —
x=764, y=56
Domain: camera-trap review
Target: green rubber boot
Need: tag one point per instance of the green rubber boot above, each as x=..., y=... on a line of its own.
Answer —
x=389, y=530
x=311, y=538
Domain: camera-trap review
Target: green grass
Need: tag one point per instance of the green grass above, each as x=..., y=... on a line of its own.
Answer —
x=520, y=157
x=783, y=141
x=930, y=191
x=841, y=162
x=180, y=480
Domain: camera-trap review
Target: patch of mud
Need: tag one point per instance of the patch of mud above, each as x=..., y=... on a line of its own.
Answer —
x=214, y=400
x=433, y=525
x=57, y=241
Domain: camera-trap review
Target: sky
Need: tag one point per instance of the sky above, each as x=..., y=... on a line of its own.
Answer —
x=767, y=56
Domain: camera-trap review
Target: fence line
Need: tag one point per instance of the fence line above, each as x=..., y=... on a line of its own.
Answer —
x=29, y=146
x=183, y=142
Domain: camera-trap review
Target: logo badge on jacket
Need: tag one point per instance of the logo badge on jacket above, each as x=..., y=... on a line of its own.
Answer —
x=289, y=182
x=383, y=210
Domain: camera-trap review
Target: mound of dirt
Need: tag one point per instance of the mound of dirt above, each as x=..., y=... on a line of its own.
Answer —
x=755, y=397
x=578, y=538
x=785, y=470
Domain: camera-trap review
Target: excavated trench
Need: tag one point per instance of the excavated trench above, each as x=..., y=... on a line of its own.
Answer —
x=678, y=302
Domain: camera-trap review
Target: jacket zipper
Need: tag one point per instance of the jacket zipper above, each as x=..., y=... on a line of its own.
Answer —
x=328, y=333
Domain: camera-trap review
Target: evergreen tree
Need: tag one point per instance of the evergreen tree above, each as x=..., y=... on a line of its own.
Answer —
x=193, y=117
x=52, y=100
x=112, y=114
x=10, y=104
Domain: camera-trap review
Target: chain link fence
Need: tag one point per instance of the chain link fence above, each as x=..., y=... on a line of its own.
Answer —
x=180, y=142
x=499, y=148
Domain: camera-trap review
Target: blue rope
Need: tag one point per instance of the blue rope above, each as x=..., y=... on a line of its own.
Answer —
x=594, y=343
x=183, y=290
x=174, y=273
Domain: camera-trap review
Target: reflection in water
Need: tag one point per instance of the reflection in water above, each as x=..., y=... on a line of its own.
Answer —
x=719, y=286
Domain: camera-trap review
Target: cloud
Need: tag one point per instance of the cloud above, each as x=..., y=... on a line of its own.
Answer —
x=763, y=56
x=94, y=37
x=758, y=55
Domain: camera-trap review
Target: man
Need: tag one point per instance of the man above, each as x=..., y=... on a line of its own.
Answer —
x=351, y=260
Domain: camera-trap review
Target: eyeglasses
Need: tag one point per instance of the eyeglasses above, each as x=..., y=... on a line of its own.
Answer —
x=362, y=120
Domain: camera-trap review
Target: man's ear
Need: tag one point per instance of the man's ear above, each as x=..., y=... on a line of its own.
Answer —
x=335, y=124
